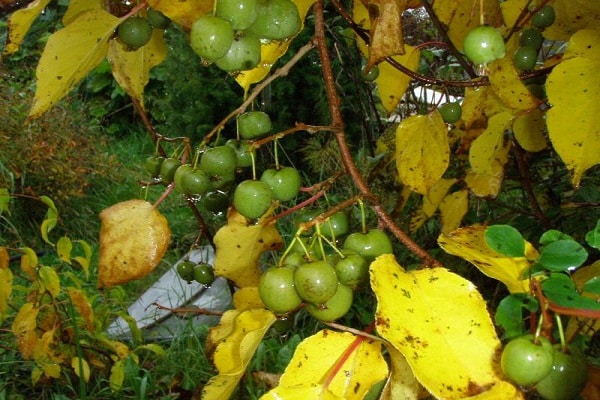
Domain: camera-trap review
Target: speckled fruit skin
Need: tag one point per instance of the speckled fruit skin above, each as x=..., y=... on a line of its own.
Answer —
x=252, y=198
x=316, y=282
x=336, y=307
x=277, y=290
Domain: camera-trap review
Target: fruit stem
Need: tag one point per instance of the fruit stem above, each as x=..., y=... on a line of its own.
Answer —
x=135, y=10
x=561, y=332
x=276, y=153
x=363, y=216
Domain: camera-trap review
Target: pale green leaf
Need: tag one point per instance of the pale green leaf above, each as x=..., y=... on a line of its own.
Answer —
x=422, y=151
x=49, y=280
x=69, y=55
x=63, y=249
x=117, y=375
x=80, y=366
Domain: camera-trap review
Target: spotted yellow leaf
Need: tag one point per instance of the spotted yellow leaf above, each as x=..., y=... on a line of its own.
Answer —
x=19, y=23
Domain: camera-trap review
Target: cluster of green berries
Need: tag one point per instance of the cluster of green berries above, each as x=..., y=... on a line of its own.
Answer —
x=135, y=31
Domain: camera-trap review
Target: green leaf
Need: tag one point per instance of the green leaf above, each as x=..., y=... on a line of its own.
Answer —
x=592, y=237
x=63, y=249
x=552, y=236
x=4, y=200
x=509, y=314
x=562, y=255
x=560, y=290
x=506, y=240
x=50, y=220
x=70, y=54
x=592, y=286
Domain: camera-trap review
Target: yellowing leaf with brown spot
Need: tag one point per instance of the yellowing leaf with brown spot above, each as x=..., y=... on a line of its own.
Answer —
x=134, y=236
x=480, y=104
x=422, y=151
x=244, y=332
x=460, y=16
x=183, y=12
x=69, y=55
x=46, y=354
x=29, y=262
x=572, y=16
x=573, y=89
x=131, y=69
x=23, y=327
x=453, y=208
x=318, y=355
x=508, y=87
x=490, y=150
x=431, y=202
x=385, y=21
x=529, y=131
x=49, y=280
x=271, y=52
x=402, y=383
x=83, y=306
x=240, y=245
x=391, y=83
x=469, y=244
x=485, y=185
x=247, y=298
x=301, y=392
x=433, y=312
x=19, y=23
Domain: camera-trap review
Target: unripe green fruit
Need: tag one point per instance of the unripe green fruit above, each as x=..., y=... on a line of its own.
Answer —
x=240, y=13
x=215, y=201
x=277, y=20
x=531, y=37
x=352, y=270
x=204, y=274
x=134, y=32
x=185, y=270
x=334, y=308
x=218, y=161
x=544, y=17
x=525, y=58
x=284, y=182
x=526, y=362
x=316, y=282
x=335, y=226
x=566, y=379
x=211, y=37
x=243, y=151
x=243, y=55
x=157, y=19
x=369, y=245
x=152, y=165
x=252, y=198
x=168, y=168
x=277, y=290
x=484, y=44
x=451, y=112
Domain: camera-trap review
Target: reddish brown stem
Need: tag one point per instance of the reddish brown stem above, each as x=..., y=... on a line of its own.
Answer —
x=339, y=134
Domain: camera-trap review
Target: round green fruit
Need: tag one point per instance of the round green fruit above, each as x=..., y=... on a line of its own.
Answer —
x=204, y=274
x=277, y=290
x=152, y=165
x=525, y=58
x=371, y=74
x=157, y=19
x=369, y=245
x=306, y=215
x=294, y=259
x=284, y=182
x=276, y=20
x=335, y=308
x=215, y=201
x=240, y=13
x=252, y=198
x=544, y=17
x=253, y=124
x=211, y=37
x=219, y=161
x=243, y=151
x=450, y=112
x=316, y=282
x=134, y=32
x=567, y=377
x=168, y=168
x=526, y=362
x=484, y=44
x=335, y=226
x=191, y=181
x=185, y=270
x=244, y=53
x=531, y=37
x=352, y=270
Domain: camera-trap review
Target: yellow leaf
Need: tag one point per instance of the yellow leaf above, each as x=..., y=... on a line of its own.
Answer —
x=572, y=16
x=480, y=104
x=131, y=69
x=573, y=88
x=63, y=249
x=86, y=259
x=402, y=383
x=433, y=198
x=117, y=375
x=62, y=66
x=235, y=350
x=300, y=392
x=529, y=131
x=83, y=306
x=29, y=262
x=315, y=358
x=511, y=10
x=453, y=208
x=508, y=87
x=433, y=311
x=6, y=280
x=46, y=356
x=240, y=245
x=485, y=185
x=385, y=22
x=183, y=12
x=461, y=16
x=422, y=151
x=469, y=244
x=19, y=23
x=271, y=52
x=49, y=280
x=4, y=258
x=134, y=236
x=247, y=298
x=76, y=7
x=23, y=327
x=80, y=365
x=489, y=152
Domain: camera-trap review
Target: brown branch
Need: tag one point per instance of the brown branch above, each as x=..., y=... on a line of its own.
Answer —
x=337, y=121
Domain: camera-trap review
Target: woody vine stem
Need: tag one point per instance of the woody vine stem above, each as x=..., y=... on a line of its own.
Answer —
x=337, y=122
